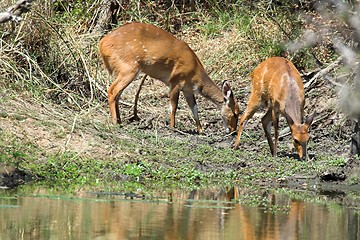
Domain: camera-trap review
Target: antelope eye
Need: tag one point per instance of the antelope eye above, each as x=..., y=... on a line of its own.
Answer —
x=296, y=141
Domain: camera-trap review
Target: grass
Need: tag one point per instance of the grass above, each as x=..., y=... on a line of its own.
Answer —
x=149, y=160
x=54, y=73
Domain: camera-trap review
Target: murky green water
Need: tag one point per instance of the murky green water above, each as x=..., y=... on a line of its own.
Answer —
x=206, y=214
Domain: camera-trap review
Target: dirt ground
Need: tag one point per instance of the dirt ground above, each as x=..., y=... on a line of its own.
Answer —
x=58, y=128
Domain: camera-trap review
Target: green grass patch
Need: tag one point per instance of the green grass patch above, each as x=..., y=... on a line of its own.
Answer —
x=154, y=161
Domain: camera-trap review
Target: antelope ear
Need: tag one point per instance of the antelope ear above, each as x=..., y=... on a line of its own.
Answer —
x=289, y=119
x=227, y=92
x=310, y=119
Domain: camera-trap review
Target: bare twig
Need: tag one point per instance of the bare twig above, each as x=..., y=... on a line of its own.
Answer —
x=71, y=132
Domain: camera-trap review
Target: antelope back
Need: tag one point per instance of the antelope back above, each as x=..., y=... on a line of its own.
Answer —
x=150, y=49
x=278, y=82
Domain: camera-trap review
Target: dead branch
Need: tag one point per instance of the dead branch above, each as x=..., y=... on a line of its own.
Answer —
x=323, y=72
x=14, y=12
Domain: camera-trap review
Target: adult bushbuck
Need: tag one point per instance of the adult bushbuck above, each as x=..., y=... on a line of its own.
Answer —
x=139, y=47
x=277, y=84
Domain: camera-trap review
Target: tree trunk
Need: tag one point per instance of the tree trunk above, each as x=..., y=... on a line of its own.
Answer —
x=107, y=15
x=355, y=139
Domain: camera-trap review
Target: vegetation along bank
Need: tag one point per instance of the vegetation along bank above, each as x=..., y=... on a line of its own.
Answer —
x=55, y=126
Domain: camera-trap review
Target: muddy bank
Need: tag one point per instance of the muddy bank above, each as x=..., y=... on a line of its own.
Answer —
x=12, y=177
x=330, y=183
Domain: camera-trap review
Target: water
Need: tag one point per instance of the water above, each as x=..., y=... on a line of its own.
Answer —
x=205, y=214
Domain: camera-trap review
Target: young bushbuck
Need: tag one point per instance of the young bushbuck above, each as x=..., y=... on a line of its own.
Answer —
x=277, y=84
x=139, y=47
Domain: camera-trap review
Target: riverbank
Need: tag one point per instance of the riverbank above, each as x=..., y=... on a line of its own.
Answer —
x=67, y=149
x=54, y=117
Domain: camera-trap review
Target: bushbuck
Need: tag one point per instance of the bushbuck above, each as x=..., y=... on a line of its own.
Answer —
x=277, y=84
x=139, y=47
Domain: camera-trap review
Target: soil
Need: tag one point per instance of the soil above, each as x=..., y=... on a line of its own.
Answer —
x=56, y=128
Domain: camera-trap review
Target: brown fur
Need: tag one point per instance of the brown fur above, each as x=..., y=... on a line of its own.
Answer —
x=277, y=84
x=136, y=47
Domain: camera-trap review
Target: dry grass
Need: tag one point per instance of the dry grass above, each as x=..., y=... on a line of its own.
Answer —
x=54, y=58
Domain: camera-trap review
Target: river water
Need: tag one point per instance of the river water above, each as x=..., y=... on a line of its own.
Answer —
x=197, y=214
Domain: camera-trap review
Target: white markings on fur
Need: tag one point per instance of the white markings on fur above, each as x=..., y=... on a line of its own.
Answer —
x=228, y=94
x=195, y=111
x=195, y=89
x=283, y=79
x=262, y=79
